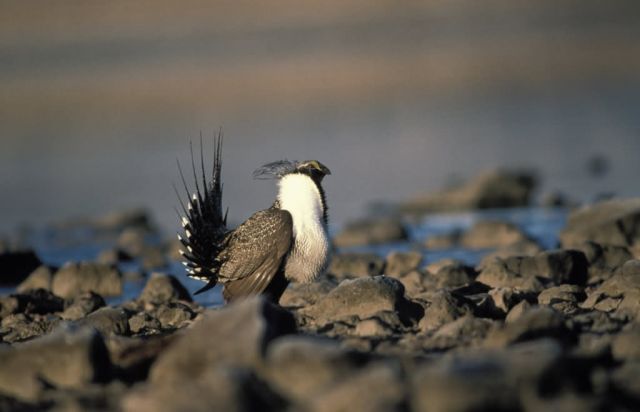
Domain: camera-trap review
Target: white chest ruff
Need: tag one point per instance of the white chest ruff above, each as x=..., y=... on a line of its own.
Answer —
x=309, y=255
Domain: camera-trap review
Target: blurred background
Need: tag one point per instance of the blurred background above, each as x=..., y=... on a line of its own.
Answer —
x=98, y=99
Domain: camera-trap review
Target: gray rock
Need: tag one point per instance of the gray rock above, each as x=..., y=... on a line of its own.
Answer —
x=562, y=266
x=216, y=387
x=517, y=311
x=368, y=232
x=39, y=301
x=82, y=305
x=162, y=288
x=443, y=240
x=454, y=275
x=363, y=298
x=401, y=263
x=377, y=387
x=612, y=222
x=523, y=248
x=489, y=234
x=108, y=321
x=68, y=358
x=495, y=189
x=603, y=260
x=38, y=279
x=349, y=265
x=464, y=331
x=535, y=323
x=291, y=358
x=444, y=307
x=382, y=325
x=504, y=299
x=174, y=315
x=304, y=294
x=76, y=278
x=237, y=335
x=15, y=266
x=132, y=357
x=143, y=322
x=21, y=327
x=417, y=282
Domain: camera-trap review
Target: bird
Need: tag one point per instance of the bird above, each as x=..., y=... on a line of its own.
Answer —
x=286, y=242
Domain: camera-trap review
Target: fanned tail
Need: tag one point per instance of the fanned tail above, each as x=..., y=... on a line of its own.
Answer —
x=203, y=224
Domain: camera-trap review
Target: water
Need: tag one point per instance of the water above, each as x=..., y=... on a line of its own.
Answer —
x=541, y=224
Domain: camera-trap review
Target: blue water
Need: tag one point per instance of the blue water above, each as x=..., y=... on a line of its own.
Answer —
x=541, y=224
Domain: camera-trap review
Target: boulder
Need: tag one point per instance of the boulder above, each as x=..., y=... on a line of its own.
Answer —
x=21, y=327
x=236, y=335
x=347, y=265
x=535, y=323
x=603, y=259
x=304, y=294
x=401, y=263
x=494, y=189
x=174, y=315
x=362, y=297
x=511, y=273
x=15, y=266
x=369, y=232
x=444, y=307
x=612, y=222
x=377, y=387
x=67, y=358
x=76, y=278
x=144, y=322
x=162, y=288
x=464, y=331
x=290, y=358
x=563, y=298
x=454, y=275
x=82, y=305
x=620, y=293
x=107, y=320
x=38, y=279
x=490, y=234
x=39, y=301
x=561, y=266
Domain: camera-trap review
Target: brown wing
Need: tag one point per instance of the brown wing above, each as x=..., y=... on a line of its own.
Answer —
x=255, y=252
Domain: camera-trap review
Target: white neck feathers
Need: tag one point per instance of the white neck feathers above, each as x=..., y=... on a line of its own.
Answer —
x=300, y=196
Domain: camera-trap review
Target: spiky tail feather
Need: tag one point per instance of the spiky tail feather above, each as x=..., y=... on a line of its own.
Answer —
x=203, y=224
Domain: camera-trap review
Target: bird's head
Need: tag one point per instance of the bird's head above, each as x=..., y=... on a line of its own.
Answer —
x=312, y=168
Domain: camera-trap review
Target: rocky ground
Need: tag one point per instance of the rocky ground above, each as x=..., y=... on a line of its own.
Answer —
x=527, y=329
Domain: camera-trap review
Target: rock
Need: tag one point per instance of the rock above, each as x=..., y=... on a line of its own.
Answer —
x=108, y=321
x=348, y=265
x=68, y=358
x=16, y=266
x=377, y=387
x=38, y=279
x=510, y=273
x=563, y=298
x=236, y=335
x=562, y=266
x=454, y=275
x=626, y=345
x=143, y=322
x=37, y=301
x=153, y=257
x=113, y=256
x=603, y=260
x=21, y=327
x=217, y=387
x=523, y=248
x=290, y=358
x=496, y=189
x=401, y=263
x=368, y=232
x=76, y=278
x=626, y=379
x=489, y=234
x=537, y=322
x=504, y=299
x=620, y=293
x=304, y=294
x=417, y=282
x=444, y=307
x=174, y=315
x=162, y=288
x=362, y=297
x=121, y=220
x=517, y=311
x=382, y=325
x=444, y=240
x=82, y=305
x=133, y=241
x=464, y=331
x=132, y=357
x=613, y=222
